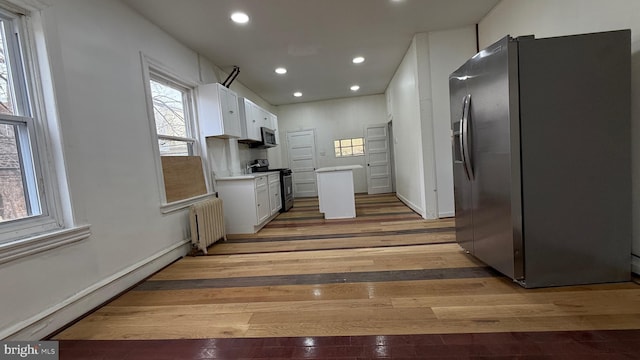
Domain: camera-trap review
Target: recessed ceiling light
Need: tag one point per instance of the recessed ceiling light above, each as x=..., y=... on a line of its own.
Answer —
x=240, y=17
x=281, y=70
x=355, y=88
x=358, y=60
x=297, y=94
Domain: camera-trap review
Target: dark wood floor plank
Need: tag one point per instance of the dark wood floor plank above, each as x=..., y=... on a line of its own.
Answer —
x=525, y=345
x=315, y=279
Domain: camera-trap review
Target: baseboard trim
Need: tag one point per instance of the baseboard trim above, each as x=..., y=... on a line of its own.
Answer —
x=635, y=264
x=56, y=317
x=411, y=205
x=447, y=214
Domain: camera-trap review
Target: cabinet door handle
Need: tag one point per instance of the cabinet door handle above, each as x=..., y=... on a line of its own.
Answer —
x=231, y=111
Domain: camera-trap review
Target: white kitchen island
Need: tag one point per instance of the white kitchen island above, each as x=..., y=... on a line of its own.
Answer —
x=336, y=196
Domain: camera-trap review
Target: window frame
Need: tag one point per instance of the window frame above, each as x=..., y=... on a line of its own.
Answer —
x=55, y=226
x=153, y=70
x=351, y=146
x=27, y=93
x=187, y=98
x=29, y=164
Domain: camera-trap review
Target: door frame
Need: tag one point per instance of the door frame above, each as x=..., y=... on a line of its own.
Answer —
x=314, y=158
x=384, y=126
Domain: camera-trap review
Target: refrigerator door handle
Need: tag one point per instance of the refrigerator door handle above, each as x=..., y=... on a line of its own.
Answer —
x=461, y=137
x=460, y=144
x=465, y=139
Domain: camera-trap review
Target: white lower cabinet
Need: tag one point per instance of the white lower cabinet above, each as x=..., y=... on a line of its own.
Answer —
x=263, y=209
x=275, y=201
x=249, y=201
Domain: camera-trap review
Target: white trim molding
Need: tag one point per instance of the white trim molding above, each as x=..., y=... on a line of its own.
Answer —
x=152, y=68
x=25, y=6
x=446, y=214
x=54, y=318
x=36, y=244
x=411, y=205
x=181, y=204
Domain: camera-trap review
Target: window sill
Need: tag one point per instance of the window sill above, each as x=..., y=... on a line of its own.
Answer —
x=182, y=204
x=36, y=244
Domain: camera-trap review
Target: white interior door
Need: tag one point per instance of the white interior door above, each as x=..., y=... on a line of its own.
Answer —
x=378, y=159
x=302, y=161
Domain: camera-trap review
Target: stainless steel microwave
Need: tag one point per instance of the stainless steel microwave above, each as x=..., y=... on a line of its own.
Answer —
x=268, y=137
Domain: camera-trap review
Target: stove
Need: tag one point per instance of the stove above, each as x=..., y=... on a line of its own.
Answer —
x=286, y=188
x=286, y=182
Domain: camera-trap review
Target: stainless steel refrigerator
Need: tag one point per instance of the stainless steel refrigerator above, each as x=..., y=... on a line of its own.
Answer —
x=541, y=147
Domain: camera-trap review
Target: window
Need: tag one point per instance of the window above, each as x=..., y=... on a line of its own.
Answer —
x=35, y=213
x=18, y=171
x=170, y=105
x=349, y=147
x=179, y=166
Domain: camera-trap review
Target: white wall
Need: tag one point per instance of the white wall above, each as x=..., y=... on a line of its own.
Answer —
x=418, y=98
x=447, y=51
x=333, y=120
x=403, y=103
x=94, y=52
x=426, y=126
x=545, y=18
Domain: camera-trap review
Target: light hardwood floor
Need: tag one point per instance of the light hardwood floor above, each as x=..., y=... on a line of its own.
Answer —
x=386, y=272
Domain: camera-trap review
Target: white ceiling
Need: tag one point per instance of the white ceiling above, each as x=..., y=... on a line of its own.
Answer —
x=314, y=39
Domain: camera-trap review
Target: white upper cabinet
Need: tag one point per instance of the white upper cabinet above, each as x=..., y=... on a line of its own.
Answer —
x=253, y=117
x=265, y=119
x=218, y=111
x=274, y=126
x=250, y=120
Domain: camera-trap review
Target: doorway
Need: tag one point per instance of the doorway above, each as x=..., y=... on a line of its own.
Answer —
x=378, y=157
x=301, y=148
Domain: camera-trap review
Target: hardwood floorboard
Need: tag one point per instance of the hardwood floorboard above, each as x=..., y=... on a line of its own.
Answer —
x=437, y=326
x=521, y=345
x=427, y=232
x=385, y=273
x=331, y=244
x=316, y=279
x=320, y=229
x=339, y=222
x=318, y=262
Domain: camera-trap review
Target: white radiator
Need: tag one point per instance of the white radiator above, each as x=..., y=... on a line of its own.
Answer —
x=207, y=223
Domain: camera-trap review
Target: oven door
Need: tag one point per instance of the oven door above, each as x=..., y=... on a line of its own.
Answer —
x=287, y=192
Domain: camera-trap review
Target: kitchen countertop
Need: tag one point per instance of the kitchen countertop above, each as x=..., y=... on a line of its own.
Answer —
x=246, y=176
x=339, y=168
